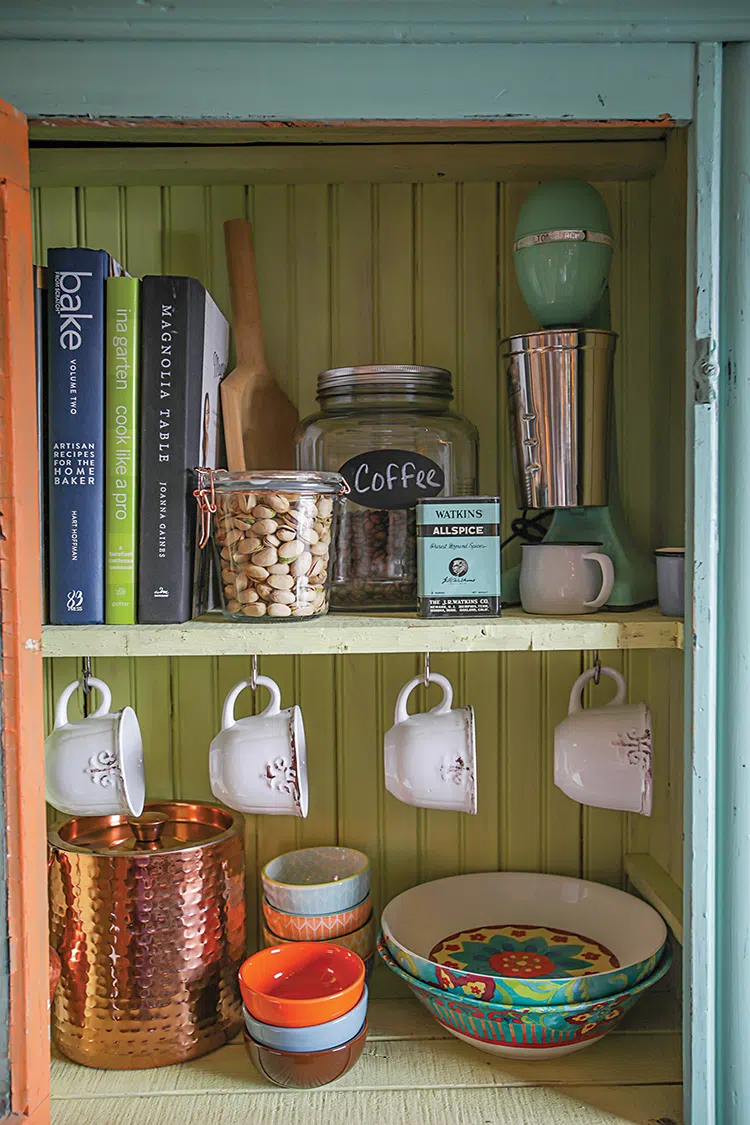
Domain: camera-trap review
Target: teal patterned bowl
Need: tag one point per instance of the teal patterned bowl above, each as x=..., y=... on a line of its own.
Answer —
x=519, y=938
x=537, y=1032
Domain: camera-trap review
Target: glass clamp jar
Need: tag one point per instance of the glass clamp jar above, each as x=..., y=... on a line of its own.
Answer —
x=272, y=535
x=390, y=432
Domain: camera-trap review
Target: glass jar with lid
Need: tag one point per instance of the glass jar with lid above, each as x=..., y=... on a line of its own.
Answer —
x=391, y=433
x=272, y=534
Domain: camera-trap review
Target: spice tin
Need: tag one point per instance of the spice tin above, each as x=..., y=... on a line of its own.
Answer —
x=458, y=556
x=148, y=917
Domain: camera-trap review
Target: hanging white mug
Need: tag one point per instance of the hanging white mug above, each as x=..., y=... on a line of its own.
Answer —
x=94, y=766
x=258, y=764
x=430, y=757
x=562, y=578
x=603, y=755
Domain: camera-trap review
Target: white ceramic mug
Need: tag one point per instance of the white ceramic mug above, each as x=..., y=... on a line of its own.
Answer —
x=94, y=766
x=603, y=755
x=430, y=757
x=561, y=578
x=670, y=580
x=258, y=764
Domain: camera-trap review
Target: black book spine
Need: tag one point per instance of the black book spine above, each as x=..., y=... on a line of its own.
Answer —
x=172, y=315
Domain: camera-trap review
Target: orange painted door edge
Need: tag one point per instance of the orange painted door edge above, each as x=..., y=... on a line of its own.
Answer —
x=20, y=606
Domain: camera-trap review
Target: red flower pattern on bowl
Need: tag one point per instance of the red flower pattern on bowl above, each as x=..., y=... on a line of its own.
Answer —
x=481, y=988
x=501, y=1017
x=512, y=963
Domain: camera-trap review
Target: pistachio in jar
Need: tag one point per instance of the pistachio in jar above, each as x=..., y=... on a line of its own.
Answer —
x=273, y=537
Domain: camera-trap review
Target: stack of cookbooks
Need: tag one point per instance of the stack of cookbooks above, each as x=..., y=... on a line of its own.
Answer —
x=128, y=383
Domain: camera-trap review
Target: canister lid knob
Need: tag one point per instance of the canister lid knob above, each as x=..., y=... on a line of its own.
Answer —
x=148, y=828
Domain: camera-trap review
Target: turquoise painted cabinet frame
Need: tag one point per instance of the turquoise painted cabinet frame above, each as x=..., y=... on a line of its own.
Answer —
x=435, y=62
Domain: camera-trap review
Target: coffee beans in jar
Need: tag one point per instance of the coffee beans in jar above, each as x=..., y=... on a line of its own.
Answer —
x=376, y=559
x=390, y=432
x=272, y=535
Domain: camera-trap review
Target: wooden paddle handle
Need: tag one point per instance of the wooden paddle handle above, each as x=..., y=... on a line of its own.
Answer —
x=243, y=286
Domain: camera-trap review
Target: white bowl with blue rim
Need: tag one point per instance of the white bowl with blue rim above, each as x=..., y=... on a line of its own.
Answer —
x=315, y=881
x=522, y=1032
x=319, y=1037
x=523, y=938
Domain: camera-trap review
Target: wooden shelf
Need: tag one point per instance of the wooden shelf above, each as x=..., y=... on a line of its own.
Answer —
x=515, y=631
x=411, y=1073
x=657, y=887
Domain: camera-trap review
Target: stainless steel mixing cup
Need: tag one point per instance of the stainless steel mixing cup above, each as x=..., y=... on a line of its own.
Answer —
x=559, y=388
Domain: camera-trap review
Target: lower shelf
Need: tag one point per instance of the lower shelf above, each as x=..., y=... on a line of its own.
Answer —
x=411, y=1073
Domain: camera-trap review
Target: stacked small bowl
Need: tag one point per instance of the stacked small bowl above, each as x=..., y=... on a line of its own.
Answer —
x=305, y=1009
x=320, y=895
x=305, y=994
x=524, y=965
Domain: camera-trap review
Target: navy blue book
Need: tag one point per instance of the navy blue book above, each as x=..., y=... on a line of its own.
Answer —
x=40, y=346
x=75, y=411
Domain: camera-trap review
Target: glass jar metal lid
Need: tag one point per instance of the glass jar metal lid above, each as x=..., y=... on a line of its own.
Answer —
x=166, y=826
x=281, y=480
x=396, y=378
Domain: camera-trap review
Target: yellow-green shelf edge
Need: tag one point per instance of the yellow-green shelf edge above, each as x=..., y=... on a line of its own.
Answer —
x=345, y=633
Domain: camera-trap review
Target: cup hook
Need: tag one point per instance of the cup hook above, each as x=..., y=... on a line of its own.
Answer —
x=86, y=674
x=426, y=675
x=254, y=674
x=85, y=682
x=597, y=668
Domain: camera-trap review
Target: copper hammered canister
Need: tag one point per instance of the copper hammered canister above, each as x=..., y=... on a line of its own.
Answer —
x=148, y=917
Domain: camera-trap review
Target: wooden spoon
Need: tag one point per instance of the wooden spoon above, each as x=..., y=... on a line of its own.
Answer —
x=259, y=419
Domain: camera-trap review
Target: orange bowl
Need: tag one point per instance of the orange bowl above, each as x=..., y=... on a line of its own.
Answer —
x=316, y=927
x=303, y=984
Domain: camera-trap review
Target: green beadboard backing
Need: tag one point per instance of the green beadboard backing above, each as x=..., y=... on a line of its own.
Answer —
x=352, y=273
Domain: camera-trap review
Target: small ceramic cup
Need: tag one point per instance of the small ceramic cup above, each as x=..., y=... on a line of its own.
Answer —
x=316, y=881
x=305, y=1070
x=320, y=1037
x=316, y=927
x=562, y=578
x=301, y=984
x=94, y=766
x=258, y=764
x=430, y=757
x=360, y=941
x=603, y=755
x=670, y=580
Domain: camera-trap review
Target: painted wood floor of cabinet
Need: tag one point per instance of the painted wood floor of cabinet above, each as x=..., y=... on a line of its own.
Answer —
x=410, y=1073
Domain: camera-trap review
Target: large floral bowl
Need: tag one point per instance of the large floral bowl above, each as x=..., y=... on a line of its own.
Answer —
x=519, y=938
x=531, y=1032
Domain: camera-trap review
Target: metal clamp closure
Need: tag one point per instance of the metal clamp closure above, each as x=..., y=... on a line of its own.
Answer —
x=205, y=494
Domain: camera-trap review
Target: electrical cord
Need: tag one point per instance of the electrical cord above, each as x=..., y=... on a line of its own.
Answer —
x=528, y=530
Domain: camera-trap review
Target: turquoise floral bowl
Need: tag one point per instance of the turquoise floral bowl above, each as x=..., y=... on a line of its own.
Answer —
x=520, y=938
x=525, y=1032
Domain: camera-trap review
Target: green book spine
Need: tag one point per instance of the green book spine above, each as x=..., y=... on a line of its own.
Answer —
x=121, y=449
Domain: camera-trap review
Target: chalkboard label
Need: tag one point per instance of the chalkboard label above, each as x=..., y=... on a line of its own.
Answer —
x=392, y=478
